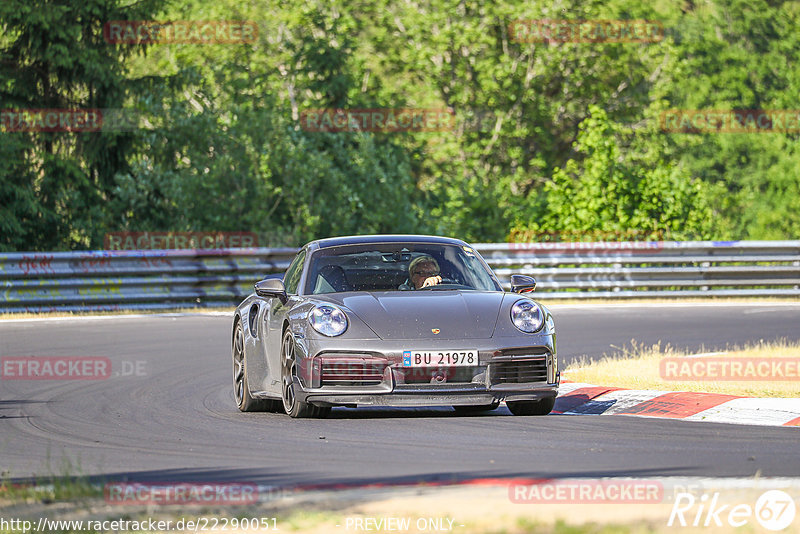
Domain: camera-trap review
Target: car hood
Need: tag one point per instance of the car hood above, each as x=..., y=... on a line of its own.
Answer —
x=418, y=314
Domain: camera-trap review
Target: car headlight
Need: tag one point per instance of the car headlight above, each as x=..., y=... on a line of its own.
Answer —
x=526, y=316
x=328, y=320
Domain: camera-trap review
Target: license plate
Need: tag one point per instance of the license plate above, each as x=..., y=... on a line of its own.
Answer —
x=456, y=358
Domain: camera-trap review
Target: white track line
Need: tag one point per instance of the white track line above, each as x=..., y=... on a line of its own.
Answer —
x=751, y=411
x=616, y=401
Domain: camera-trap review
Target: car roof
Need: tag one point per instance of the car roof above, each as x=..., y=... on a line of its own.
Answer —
x=382, y=238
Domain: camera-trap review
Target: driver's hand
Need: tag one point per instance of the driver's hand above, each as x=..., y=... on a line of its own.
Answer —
x=432, y=281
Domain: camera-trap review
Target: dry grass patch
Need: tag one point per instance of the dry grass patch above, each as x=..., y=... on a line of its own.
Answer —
x=640, y=368
x=544, y=299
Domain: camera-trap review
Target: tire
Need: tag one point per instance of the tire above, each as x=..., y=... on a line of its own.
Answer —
x=241, y=390
x=478, y=408
x=542, y=407
x=291, y=405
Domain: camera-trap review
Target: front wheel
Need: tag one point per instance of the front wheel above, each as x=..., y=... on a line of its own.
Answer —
x=542, y=407
x=291, y=404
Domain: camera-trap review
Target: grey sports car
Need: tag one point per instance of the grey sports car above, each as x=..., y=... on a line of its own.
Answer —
x=392, y=320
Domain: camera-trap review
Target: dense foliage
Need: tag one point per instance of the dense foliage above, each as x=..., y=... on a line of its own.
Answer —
x=548, y=138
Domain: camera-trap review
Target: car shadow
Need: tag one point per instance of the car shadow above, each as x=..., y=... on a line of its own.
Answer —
x=380, y=412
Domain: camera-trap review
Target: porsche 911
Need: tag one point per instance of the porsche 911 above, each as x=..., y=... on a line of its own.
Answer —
x=395, y=321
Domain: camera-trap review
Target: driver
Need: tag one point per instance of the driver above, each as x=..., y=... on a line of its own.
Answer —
x=423, y=272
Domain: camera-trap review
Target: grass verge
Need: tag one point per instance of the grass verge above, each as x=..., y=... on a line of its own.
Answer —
x=674, y=301
x=65, y=485
x=640, y=368
x=454, y=509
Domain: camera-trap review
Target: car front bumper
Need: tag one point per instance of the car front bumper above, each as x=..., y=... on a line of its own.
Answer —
x=426, y=396
x=512, y=369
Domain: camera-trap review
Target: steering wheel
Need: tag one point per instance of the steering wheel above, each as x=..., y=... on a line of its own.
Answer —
x=445, y=281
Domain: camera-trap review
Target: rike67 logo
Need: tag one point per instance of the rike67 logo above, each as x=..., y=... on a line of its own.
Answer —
x=774, y=510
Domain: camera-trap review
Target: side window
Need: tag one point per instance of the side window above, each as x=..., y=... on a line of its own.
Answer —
x=292, y=276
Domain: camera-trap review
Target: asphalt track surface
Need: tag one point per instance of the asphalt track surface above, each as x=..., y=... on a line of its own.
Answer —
x=175, y=420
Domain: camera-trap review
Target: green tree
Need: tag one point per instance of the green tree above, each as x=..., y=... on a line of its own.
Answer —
x=227, y=154
x=225, y=149
x=741, y=54
x=611, y=191
x=54, y=56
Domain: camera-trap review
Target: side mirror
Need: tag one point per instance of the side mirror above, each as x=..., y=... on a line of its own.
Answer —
x=272, y=288
x=522, y=284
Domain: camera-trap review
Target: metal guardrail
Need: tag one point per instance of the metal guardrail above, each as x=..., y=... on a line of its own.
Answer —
x=652, y=269
x=160, y=279
x=136, y=279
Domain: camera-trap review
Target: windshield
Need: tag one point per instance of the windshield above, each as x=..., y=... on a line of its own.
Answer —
x=397, y=267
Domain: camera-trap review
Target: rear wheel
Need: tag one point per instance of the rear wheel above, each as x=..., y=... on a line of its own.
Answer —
x=476, y=408
x=291, y=404
x=542, y=407
x=241, y=390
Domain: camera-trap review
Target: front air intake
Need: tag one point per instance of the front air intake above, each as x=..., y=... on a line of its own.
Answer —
x=521, y=370
x=351, y=371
